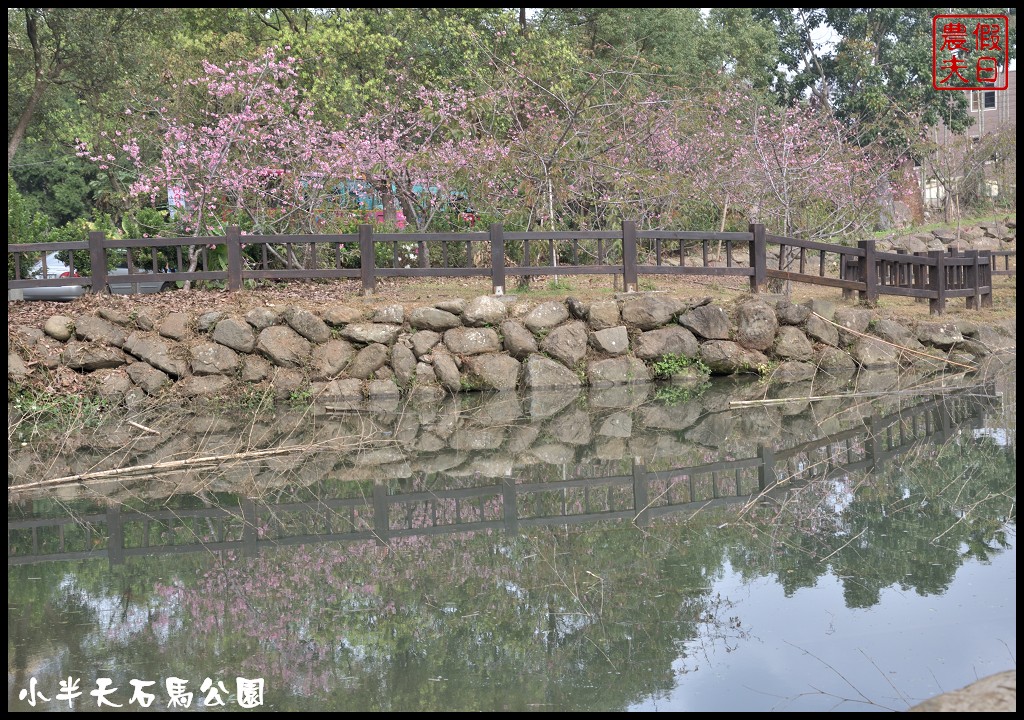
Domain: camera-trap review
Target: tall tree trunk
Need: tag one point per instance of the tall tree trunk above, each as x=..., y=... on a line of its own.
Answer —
x=26, y=116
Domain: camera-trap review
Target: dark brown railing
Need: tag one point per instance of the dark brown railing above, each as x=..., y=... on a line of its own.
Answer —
x=629, y=252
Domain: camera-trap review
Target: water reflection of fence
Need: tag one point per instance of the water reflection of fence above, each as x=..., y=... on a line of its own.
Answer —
x=507, y=506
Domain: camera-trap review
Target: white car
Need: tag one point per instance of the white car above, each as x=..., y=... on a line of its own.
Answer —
x=56, y=268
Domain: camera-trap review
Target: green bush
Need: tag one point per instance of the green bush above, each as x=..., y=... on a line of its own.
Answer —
x=672, y=364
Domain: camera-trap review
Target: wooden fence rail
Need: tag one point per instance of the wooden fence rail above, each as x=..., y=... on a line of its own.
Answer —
x=765, y=259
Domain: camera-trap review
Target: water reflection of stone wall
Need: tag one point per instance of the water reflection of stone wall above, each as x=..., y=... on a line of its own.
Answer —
x=483, y=435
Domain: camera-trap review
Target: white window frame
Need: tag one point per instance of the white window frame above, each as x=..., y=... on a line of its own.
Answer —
x=978, y=98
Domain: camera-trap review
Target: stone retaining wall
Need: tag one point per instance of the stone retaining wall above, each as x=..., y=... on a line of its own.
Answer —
x=487, y=343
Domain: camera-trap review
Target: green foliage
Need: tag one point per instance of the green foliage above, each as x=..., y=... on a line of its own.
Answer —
x=146, y=222
x=767, y=369
x=23, y=226
x=53, y=181
x=675, y=394
x=255, y=398
x=672, y=364
x=45, y=411
x=301, y=397
x=78, y=231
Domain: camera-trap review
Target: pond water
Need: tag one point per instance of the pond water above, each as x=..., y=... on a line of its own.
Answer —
x=630, y=549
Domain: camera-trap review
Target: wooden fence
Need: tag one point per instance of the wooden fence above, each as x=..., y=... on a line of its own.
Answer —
x=629, y=252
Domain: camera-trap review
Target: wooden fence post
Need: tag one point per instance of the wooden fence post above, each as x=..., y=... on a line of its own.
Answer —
x=629, y=276
x=381, y=524
x=972, y=279
x=497, y=259
x=508, y=505
x=845, y=271
x=868, y=272
x=640, y=493
x=766, y=476
x=367, y=261
x=985, y=271
x=758, y=257
x=115, y=536
x=233, y=239
x=97, y=262
x=919, y=276
x=937, y=282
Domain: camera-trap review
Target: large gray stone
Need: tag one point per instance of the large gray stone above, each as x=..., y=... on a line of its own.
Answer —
x=367, y=333
x=546, y=316
x=792, y=344
x=472, y=341
x=540, y=372
x=493, y=371
x=346, y=388
x=392, y=314
x=611, y=341
x=853, y=323
x=59, y=327
x=707, y=321
x=725, y=357
x=207, y=320
x=429, y=318
x=112, y=383
x=648, y=312
x=283, y=346
x=95, y=329
x=671, y=340
x=820, y=330
x=424, y=341
x=330, y=359
x=603, y=314
x=567, y=343
x=307, y=324
x=234, y=333
x=756, y=325
x=115, y=316
x=871, y=352
x=617, y=371
x=455, y=306
x=157, y=353
x=519, y=342
x=210, y=358
x=403, y=362
x=835, y=361
x=942, y=335
x=261, y=318
x=995, y=693
x=447, y=372
x=147, y=377
x=484, y=310
x=255, y=369
x=896, y=333
x=174, y=326
x=338, y=315
x=368, y=360
x=790, y=313
x=17, y=368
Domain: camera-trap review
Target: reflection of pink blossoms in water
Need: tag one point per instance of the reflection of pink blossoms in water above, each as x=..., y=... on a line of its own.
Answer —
x=298, y=614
